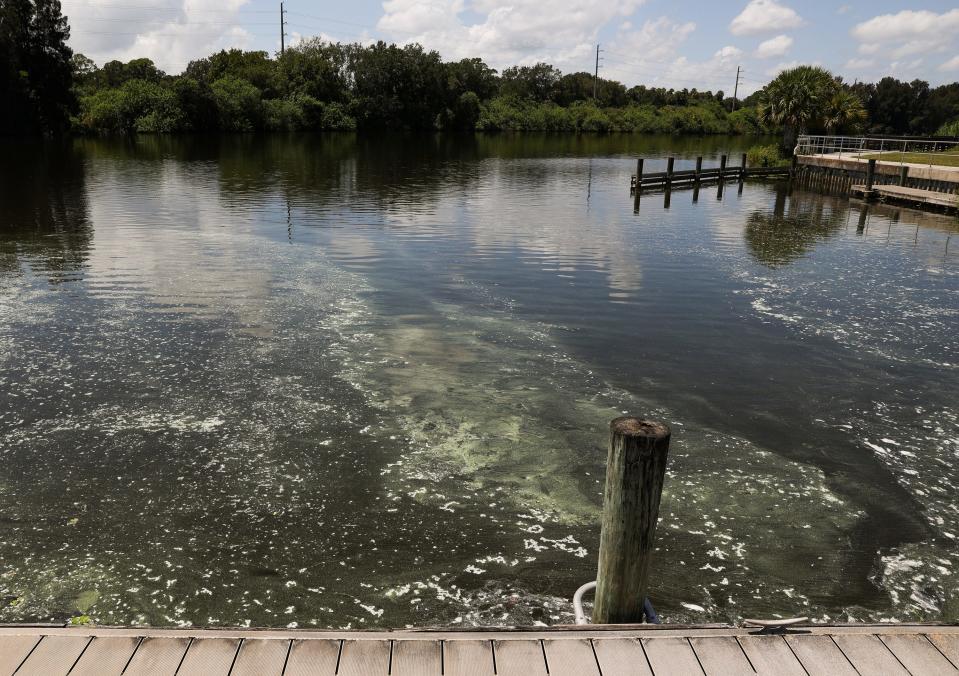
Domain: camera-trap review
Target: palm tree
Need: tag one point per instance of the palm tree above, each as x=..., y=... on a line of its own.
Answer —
x=843, y=112
x=795, y=100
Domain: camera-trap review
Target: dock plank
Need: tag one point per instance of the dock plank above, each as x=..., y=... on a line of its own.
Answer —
x=621, y=657
x=948, y=645
x=721, y=656
x=770, y=655
x=106, y=656
x=209, y=657
x=14, y=649
x=607, y=650
x=869, y=655
x=364, y=658
x=465, y=657
x=919, y=655
x=55, y=655
x=312, y=657
x=417, y=658
x=157, y=655
x=671, y=657
x=261, y=657
x=520, y=657
x=820, y=655
x=570, y=657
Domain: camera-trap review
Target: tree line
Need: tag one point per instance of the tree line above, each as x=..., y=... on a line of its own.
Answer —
x=317, y=85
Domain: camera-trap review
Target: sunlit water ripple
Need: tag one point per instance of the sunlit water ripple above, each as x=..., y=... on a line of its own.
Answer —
x=322, y=381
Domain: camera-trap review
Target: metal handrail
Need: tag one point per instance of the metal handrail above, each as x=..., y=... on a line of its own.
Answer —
x=928, y=149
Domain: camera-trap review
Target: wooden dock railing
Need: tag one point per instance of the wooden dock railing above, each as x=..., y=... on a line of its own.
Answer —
x=688, y=177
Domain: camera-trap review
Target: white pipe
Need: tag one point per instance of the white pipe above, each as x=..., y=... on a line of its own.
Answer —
x=578, y=602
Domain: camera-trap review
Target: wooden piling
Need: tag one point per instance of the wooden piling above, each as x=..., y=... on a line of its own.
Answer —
x=639, y=173
x=742, y=167
x=903, y=174
x=722, y=167
x=635, y=471
x=669, y=170
x=699, y=167
x=870, y=174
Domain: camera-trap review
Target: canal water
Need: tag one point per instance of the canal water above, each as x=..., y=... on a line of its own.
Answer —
x=343, y=381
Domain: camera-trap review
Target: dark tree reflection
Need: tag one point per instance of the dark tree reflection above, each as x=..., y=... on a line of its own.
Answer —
x=44, y=219
x=792, y=229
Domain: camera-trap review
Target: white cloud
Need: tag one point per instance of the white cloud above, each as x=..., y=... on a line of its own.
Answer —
x=786, y=65
x=859, y=64
x=507, y=33
x=171, y=35
x=951, y=64
x=909, y=32
x=776, y=46
x=657, y=59
x=728, y=52
x=843, y=9
x=764, y=16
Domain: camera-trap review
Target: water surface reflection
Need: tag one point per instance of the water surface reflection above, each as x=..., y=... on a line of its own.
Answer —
x=330, y=380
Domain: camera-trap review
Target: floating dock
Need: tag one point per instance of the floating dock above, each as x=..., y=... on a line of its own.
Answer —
x=918, y=185
x=603, y=650
x=902, y=194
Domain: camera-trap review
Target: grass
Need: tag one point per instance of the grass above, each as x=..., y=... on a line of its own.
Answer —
x=949, y=158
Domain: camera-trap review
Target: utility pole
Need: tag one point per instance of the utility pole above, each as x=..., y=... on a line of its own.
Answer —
x=736, y=88
x=282, y=29
x=596, y=73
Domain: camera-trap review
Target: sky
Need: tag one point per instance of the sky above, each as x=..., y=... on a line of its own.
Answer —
x=663, y=43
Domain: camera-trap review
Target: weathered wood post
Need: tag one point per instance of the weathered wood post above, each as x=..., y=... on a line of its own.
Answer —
x=669, y=170
x=635, y=470
x=639, y=174
x=742, y=167
x=903, y=174
x=722, y=167
x=870, y=174
x=699, y=167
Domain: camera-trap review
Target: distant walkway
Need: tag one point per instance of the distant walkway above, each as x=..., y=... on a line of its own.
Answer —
x=919, y=650
x=893, y=159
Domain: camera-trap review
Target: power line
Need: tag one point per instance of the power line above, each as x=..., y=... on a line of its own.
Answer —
x=176, y=10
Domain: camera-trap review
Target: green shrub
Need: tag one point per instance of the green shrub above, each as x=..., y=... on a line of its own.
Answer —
x=949, y=129
x=765, y=156
x=238, y=104
x=336, y=118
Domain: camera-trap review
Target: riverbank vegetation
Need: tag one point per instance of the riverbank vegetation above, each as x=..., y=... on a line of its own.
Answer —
x=318, y=85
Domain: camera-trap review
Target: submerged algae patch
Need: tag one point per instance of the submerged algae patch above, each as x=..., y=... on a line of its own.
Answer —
x=488, y=407
x=488, y=400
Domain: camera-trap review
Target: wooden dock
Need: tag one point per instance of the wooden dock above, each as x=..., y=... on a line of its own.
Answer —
x=607, y=650
x=670, y=179
x=902, y=194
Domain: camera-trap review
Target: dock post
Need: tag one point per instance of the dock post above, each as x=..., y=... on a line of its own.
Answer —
x=722, y=167
x=903, y=174
x=742, y=167
x=870, y=174
x=635, y=471
x=669, y=170
x=639, y=174
x=699, y=167
x=793, y=165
